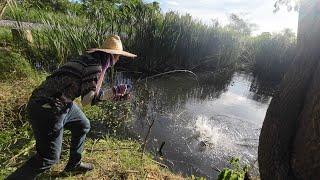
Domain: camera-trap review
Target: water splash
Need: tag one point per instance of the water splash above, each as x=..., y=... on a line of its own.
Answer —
x=209, y=138
x=216, y=137
x=204, y=131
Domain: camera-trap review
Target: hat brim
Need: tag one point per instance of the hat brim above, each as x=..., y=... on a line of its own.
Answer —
x=112, y=51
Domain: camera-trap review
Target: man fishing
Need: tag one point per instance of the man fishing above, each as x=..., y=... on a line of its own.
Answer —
x=51, y=108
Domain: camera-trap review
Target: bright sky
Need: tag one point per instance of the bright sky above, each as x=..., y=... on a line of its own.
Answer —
x=259, y=12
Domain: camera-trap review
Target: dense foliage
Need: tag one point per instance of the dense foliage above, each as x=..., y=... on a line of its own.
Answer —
x=14, y=67
x=273, y=54
x=163, y=41
x=236, y=172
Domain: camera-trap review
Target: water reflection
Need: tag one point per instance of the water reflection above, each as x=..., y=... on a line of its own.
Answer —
x=173, y=92
x=202, y=124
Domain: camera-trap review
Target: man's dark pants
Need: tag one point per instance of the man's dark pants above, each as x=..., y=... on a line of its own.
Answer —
x=48, y=128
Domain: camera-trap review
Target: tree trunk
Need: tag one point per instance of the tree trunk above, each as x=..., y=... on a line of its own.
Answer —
x=290, y=114
x=305, y=159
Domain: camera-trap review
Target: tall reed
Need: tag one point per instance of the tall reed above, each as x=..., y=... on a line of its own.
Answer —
x=163, y=42
x=273, y=54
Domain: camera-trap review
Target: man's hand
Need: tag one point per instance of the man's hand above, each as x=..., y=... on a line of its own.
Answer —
x=117, y=93
x=121, y=89
x=107, y=94
x=121, y=92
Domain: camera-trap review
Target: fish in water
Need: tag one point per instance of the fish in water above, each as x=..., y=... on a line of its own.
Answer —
x=202, y=145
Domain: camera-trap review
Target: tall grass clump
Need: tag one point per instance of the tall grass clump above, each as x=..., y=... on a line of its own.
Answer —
x=55, y=43
x=273, y=54
x=173, y=41
x=5, y=37
x=14, y=66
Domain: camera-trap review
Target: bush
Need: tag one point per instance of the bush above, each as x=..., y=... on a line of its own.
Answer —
x=273, y=54
x=235, y=173
x=5, y=36
x=14, y=67
x=109, y=114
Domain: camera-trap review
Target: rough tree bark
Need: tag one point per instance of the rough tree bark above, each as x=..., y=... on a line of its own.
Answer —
x=289, y=144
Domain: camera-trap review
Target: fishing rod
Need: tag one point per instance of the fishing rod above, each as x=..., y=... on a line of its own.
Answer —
x=140, y=80
x=129, y=87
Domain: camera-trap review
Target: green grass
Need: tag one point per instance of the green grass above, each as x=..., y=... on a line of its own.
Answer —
x=114, y=159
x=15, y=135
x=14, y=66
x=5, y=36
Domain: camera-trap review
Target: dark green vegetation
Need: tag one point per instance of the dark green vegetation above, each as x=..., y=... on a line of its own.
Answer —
x=14, y=66
x=163, y=42
x=273, y=54
x=235, y=173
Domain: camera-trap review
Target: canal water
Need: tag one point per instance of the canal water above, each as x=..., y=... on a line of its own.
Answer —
x=201, y=122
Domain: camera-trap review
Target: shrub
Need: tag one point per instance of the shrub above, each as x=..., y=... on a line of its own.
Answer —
x=110, y=115
x=13, y=66
x=273, y=54
x=5, y=36
x=235, y=173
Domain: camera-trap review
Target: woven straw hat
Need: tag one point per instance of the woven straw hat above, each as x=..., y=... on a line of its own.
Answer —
x=113, y=45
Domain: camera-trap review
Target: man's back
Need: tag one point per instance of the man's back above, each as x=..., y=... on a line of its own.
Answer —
x=75, y=78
